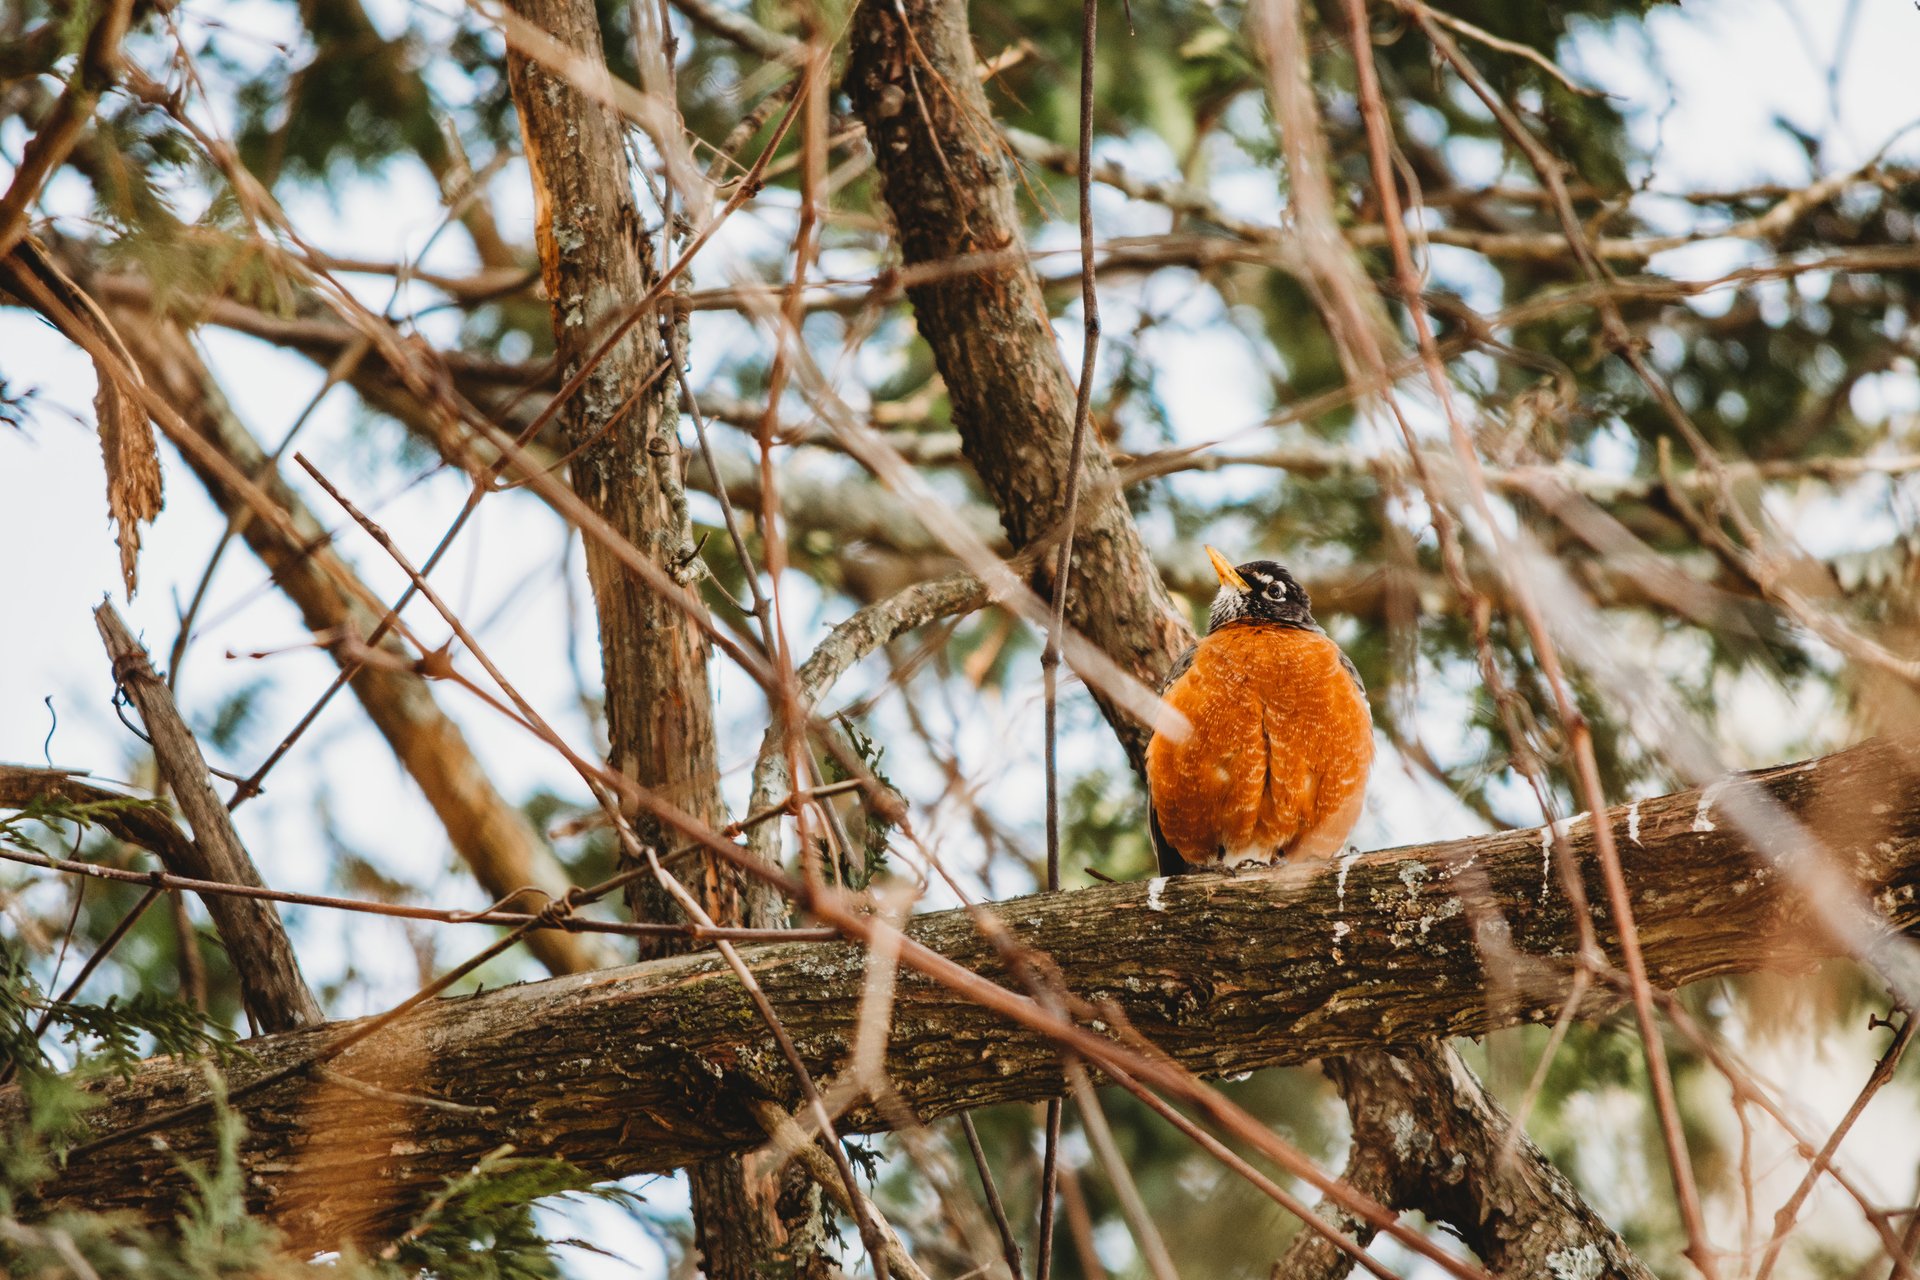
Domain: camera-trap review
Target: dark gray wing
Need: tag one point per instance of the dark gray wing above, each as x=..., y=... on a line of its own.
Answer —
x=1180, y=667
x=1353, y=671
x=1171, y=863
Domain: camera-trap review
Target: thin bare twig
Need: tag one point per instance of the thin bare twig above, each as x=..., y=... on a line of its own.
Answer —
x=1009, y=1245
x=1787, y=1216
x=493, y=915
x=1062, y=571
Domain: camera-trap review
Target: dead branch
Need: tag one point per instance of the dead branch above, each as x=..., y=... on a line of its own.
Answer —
x=275, y=993
x=22, y=786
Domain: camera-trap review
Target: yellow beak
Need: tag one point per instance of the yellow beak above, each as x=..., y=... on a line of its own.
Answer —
x=1229, y=576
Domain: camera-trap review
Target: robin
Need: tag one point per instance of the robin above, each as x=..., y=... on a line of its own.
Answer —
x=1280, y=739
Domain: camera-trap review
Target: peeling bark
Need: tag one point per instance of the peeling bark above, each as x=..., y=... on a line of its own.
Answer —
x=656, y=1066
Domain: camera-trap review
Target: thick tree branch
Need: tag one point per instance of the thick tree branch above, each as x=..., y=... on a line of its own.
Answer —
x=622, y=426
x=655, y=1066
x=623, y=422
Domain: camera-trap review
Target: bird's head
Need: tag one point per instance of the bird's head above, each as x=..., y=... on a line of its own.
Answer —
x=1259, y=591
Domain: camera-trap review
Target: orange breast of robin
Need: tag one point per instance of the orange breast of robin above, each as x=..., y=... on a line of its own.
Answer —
x=1275, y=762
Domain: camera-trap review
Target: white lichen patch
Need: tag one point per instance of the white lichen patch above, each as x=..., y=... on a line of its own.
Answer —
x=1401, y=1125
x=1340, y=930
x=1703, y=812
x=1546, y=861
x=1448, y=910
x=1582, y=1263
x=1413, y=875
x=1345, y=865
x=1560, y=828
x=1633, y=823
x=1156, y=894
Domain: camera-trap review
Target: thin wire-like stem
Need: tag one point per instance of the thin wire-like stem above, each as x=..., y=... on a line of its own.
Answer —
x=812, y=101
x=1063, y=567
x=1009, y=1245
x=159, y=881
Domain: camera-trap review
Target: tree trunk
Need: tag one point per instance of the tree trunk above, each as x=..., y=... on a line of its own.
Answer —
x=947, y=186
x=597, y=262
x=654, y=1067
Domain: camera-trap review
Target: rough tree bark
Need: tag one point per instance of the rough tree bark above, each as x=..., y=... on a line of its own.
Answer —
x=1517, y=1212
x=656, y=1066
x=596, y=260
x=946, y=184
